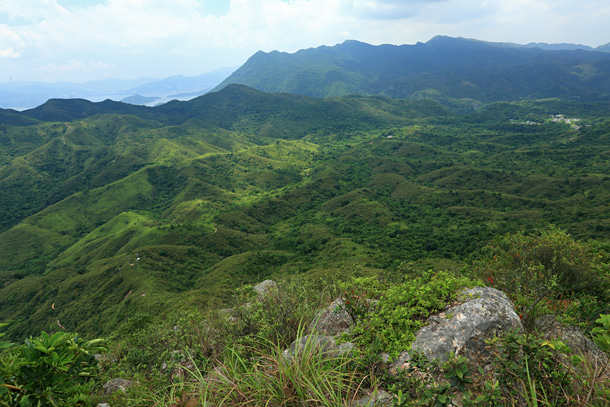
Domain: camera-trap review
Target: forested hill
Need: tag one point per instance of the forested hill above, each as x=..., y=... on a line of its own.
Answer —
x=455, y=71
x=238, y=107
x=109, y=210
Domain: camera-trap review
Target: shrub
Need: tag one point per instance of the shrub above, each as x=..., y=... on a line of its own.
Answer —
x=277, y=315
x=536, y=270
x=52, y=370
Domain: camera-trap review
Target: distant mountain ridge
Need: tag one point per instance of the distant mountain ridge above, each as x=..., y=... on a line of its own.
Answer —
x=449, y=70
x=559, y=47
x=24, y=95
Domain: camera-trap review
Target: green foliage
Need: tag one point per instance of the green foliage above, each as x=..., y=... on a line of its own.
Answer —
x=51, y=370
x=356, y=303
x=4, y=368
x=602, y=333
x=526, y=370
x=276, y=316
x=403, y=309
x=421, y=385
x=525, y=359
x=4, y=344
x=536, y=270
x=457, y=372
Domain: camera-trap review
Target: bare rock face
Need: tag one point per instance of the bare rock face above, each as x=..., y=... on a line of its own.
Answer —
x=484, y=313
x=332, y=320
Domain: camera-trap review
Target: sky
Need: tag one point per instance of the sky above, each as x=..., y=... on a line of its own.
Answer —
x=82, y=40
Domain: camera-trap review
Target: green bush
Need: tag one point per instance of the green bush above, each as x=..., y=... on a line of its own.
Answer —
x=526, y=370
x=51, y=370
x=537, y=270
x=4, y=367
x=403, y=309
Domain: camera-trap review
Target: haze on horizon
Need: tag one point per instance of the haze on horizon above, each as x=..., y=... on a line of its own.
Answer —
x=83, y=40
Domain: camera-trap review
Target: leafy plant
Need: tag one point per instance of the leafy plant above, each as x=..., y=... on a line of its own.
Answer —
x=524, y=362
x=356, y=303
x=602, y=333
x=5, y=388
x=54, y=370
x=403, y=309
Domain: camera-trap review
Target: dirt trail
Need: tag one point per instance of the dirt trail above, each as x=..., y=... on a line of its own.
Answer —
x=69, y=130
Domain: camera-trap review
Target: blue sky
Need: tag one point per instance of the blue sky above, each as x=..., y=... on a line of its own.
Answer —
x=80, y=40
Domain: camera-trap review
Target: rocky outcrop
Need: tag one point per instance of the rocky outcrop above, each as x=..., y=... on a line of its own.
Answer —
x=332, y=320
x=264, y=288
x=482, y=314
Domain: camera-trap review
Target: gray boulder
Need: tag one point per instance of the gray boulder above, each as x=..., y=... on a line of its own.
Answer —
x=332, y=320
x=265, y=288
x=482, y=314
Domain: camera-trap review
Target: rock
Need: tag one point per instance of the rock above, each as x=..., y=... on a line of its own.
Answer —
x=324, y=345
x=265, y=288
x=574, y=338
x=331, y=320
x=114, y=385
x=103, y=405
x=484, y=313
x=379, y=398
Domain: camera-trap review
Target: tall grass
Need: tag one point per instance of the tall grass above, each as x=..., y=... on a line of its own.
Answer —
x=310, y=376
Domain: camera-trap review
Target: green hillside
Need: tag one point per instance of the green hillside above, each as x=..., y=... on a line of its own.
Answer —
x=112, y=215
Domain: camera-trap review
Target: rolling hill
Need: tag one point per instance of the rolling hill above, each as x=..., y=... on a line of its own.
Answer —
x=109, y=210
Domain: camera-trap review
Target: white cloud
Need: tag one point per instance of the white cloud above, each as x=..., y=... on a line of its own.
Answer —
x=390, y=9
x=73, y=70
x=9, y=53
x=161, y=38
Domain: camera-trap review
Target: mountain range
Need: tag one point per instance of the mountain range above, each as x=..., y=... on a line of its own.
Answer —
x=430, y=70
x=458, y=72
x=25, y=95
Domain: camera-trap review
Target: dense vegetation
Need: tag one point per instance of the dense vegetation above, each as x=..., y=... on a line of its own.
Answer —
x=117, y=214
x=235, y=356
